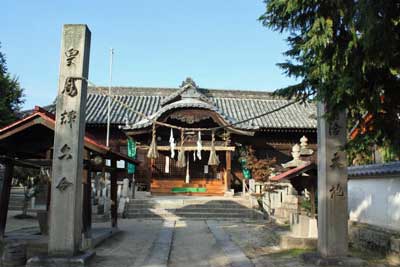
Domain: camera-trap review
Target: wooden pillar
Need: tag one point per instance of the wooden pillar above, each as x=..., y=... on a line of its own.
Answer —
x=5, y=188
x=228, y=160
x=87, y=203
x=114, y=189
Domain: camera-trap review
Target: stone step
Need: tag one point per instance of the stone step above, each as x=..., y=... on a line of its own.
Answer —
x=173, y=206
x=187, y=202
x=173, y=211
x=195, y=215
x=193, y=209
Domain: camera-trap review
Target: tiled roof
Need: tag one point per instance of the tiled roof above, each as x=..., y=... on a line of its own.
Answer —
x=49, y=118
x=374, y=169
x=234, y=104
x=189, y=103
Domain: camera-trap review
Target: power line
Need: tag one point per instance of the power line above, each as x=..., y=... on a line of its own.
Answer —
x=154, y=121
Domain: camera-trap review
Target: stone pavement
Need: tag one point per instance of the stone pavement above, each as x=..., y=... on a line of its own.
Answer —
x=14, y=224
x=194, y=243
x=197, y=243
x=130, y=247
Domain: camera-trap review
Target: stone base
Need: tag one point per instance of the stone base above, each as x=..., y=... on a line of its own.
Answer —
x=292, y=242
x=75, y=261
x=316, y=259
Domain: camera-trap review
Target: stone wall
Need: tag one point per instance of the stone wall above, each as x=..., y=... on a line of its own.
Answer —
x=374, y=208
x=370, y=237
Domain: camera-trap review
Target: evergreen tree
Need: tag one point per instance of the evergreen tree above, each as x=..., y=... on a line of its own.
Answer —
x=11, y=94
x=347, y=54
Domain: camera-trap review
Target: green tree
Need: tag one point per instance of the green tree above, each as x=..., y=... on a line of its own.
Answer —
x=11, y=94
x=347, y=54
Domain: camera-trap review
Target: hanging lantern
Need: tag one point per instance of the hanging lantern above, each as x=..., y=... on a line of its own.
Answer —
x=172, y=144
x=199, y=146
x=181, y=163
x=153, y=153
x=213, y=160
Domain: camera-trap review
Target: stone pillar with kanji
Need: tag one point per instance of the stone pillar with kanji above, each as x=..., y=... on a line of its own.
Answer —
x=66, y=187
x=332, y=185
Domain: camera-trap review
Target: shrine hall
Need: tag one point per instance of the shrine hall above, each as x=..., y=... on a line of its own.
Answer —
x=215, y=123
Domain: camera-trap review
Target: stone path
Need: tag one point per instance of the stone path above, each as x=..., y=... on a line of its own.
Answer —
x=194, y=245
x=130, y=247
x=187, y=243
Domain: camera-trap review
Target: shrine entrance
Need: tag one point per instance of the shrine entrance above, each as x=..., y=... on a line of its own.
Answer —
x=196, y=178
x=187, y=144
x=190, y=161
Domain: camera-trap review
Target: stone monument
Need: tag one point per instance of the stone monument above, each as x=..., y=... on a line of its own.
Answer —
x=66, y=188
x=332, y=185
x=332, y=192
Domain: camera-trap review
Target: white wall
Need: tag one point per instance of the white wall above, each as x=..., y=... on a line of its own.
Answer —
x=375, y=201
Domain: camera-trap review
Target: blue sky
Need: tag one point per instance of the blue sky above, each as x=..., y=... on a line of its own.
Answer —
x=220, y=44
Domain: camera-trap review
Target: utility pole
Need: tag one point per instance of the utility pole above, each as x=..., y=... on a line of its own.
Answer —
x=109, y=99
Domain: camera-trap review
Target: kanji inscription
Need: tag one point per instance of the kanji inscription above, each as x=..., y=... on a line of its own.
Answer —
x=70, y=88
x=336, y=191
x=334, y=128
x=65, y=152
x=335, y=161
x=63, y=184
x=71, y=54
x=68, y=117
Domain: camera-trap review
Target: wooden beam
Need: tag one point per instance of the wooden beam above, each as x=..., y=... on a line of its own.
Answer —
x=18, y=162
x=5, y=188
x=192, y=148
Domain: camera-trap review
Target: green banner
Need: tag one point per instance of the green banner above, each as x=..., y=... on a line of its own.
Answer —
x=246, y=172
x=131, y=147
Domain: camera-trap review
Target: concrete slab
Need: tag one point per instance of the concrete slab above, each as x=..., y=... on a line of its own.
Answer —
x=194, y=245
x=159, y=254
x=99, y=235
x=130, y=247
x=79, y=260
x=232, y=251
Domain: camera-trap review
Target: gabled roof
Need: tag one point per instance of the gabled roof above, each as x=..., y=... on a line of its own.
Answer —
x=189, y=90
x=234, y=104
x=42, y=117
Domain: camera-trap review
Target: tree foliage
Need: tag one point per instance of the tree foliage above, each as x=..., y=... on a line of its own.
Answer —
x=260, y=168
x=347, y=54
x=11, y=94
